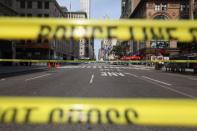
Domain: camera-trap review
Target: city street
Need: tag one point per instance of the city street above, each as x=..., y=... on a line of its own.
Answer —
x=99, y=80
x=60, y=57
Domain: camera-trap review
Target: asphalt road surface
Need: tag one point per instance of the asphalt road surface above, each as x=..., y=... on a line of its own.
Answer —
x=103, y=81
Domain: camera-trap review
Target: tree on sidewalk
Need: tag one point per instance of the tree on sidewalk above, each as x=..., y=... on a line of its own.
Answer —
x=119, y=50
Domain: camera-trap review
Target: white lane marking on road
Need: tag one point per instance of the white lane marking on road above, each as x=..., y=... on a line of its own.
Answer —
x=3, y=79
x=63, y=67
x=37, y=77
x=132, y=75
x=106, y=69
x=103, y=74
x=195, y=79
x=120, y=74
x=88, y=66
x=100, y=67
x=111, y=74
x=173, y=90
x=94, y=67
x=134, y=68
x=161, y=82
x=83, y=66
x=101, y=70
x=92, y=78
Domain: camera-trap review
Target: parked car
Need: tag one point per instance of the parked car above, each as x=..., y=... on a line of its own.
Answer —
x=134, y=57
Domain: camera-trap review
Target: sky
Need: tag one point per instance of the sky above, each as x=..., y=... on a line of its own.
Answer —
x=99, y=9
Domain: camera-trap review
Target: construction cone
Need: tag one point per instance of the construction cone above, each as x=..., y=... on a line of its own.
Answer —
x=49, y=65
x=57, y=65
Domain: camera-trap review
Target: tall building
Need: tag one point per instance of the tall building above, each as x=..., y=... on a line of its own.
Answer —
x=5, y=8
x=7, y=47
x=40, y=49
x=77, y=49
x=195, y=10
x=85, y=6
x=127, y=7
x=106, y=47
x=194, y=16
x=151, y=9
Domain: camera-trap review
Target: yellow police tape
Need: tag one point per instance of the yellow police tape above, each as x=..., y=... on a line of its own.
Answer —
x=45, y=61
x=81, y=61
x=58, y=28
x=154, y=61
x=162, y=112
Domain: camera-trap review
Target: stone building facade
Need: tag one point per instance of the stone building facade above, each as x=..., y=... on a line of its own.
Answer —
x=127, y=7
x=40, y=49
x=78, y=49
x=195, y=9
x=151, y=9
x=5, y=8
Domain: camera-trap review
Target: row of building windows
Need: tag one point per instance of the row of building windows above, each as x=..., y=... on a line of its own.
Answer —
x=38, y=15
x=75, y=16
x=161, y=7
x=164, y=7
x=29, y=4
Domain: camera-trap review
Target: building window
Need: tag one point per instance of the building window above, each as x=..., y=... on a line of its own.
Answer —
x=29, y=15
x=29, y=41
x=39, y=4
x=164, y=7
x=157, y=7
x=39, y=15
x=29, y=4
x=195, y=15
x=22, y=15
x=46, y=15
x=160, y=44
x=183, y=7
x=39, y=41
x=46, y=5
x=22, y=4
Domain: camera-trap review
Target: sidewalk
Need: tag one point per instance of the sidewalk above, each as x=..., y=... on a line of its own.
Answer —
x=6, y=71
x=187, y=70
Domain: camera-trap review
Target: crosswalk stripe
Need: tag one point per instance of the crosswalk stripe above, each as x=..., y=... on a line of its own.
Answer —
x=105, y=67
x=83, y=66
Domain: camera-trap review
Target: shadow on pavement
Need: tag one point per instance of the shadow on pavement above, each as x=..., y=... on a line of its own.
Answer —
x=12, y=74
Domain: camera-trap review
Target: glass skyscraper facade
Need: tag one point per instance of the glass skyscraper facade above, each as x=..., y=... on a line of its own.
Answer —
x=85, y=6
